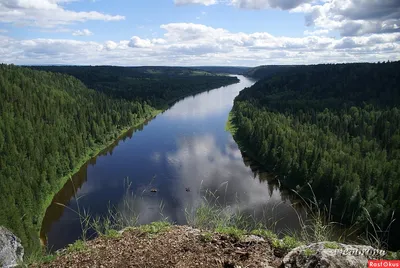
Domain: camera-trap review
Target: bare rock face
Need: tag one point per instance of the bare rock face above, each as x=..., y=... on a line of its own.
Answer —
x=331, y=255
x=11, y=250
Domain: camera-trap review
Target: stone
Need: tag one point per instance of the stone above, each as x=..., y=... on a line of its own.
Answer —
x=11, y=250
x=253, y=238
x=331, y=255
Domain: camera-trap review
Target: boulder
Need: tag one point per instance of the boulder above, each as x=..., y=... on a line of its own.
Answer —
x=11, y=250
x=332, y=255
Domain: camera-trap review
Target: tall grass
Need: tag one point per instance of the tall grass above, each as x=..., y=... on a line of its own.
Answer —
x=375, y=235
x=318, y=226
x=212, y=213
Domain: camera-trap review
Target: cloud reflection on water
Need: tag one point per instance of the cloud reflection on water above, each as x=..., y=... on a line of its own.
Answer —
x=199, y=164
x=207, y=103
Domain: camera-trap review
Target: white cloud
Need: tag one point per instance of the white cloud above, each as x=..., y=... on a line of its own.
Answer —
x=196, y=44
x=84, y=32
x=262, y=4
x=316, y=32
x=348, y=17
x=110, y=45
x=46, y=13
x=197, y=2
x=353, y=17
x=138, y=42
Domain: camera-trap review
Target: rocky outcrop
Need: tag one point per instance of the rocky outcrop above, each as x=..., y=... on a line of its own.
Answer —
x=331, y=255
x=11, y=250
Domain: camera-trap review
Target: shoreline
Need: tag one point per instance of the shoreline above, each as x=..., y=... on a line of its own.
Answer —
x=91, y=153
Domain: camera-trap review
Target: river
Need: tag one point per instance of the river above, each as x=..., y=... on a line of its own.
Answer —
x=169, y=163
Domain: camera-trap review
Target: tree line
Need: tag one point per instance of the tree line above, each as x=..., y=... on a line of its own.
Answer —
x=335, y=127
x=158, y=86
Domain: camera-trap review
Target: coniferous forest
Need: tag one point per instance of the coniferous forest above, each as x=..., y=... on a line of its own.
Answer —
x=158, y=86
x=335, y=127
x=50, y=123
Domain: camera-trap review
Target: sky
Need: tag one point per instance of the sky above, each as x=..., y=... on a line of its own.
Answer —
x=198, y=32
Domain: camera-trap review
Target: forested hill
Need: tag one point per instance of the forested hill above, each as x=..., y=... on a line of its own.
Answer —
x=159, y=86
x=51, y=123
x=223, y=69
x=336, y=127
x=266, y=71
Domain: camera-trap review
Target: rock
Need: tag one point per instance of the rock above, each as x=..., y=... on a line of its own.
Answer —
x=332, y=255
x=253, y=238
x=11, y=250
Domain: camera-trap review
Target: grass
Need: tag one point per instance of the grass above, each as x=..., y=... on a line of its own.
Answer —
x=233, y=232
x=155, y=227
x=287, y=243
x=37, y=257
x=77, y=246
x=331, y=245
x=265, y=233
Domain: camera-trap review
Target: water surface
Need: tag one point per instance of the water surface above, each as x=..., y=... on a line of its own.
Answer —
x=181, y=153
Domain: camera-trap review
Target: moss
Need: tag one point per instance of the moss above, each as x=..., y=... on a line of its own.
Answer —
x=331, y=245
x=308, y=252
x=231, y=231
x=155, y=227
x=206, y=237
x=287, y=243
x=112, y=234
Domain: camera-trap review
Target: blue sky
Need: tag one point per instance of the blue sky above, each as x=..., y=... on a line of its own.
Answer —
x=198, y=32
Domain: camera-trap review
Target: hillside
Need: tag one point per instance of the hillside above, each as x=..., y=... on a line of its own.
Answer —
x=158, y=86
x=335, y=128
x=51, y=123
x=266, y=71
x=223, y=69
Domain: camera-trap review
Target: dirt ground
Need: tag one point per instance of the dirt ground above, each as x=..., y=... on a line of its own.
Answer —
x=180, y=246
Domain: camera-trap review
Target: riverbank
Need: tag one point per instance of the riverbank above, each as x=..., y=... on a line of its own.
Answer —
x=91, y=152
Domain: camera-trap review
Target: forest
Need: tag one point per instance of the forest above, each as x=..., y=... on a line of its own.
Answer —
x=51, y=123
x=335, y=127
x=158, y=86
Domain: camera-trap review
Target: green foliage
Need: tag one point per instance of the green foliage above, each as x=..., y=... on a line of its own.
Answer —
x=287, y=243
x=77, y=246
x=231, y=231
x=155, y=227
x=158, y=86
x=267, y=234
x=390, y=255
x=335, y=127
x=331, y=245
x=112, y=234
x=210, y=214
x=38, y=257
x=206, y=237
x=308, y=252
